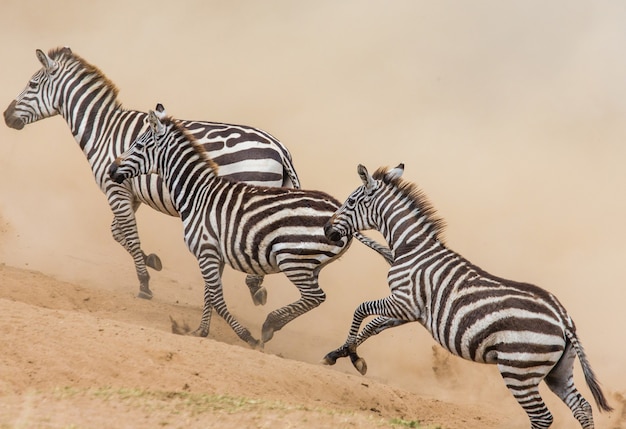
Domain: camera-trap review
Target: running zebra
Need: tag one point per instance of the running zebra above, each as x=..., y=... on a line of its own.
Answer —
x=257, y=230
x=87, y=100
x=521, y=328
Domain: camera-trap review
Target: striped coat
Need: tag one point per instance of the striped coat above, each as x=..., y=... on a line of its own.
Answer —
x=519, y=327
x=69, y=86
x=257, y=230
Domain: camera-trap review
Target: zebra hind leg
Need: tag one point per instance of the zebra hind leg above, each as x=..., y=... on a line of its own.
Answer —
x=560, y=380
x=526, y=392
x=258, y=292
x=311, y=295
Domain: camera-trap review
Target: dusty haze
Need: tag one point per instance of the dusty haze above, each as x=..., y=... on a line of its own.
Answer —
x=510, y=116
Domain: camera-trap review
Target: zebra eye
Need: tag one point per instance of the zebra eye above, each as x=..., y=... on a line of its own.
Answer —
x=351, y=201
x=33, y=84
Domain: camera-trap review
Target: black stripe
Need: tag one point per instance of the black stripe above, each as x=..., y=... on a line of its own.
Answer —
x=247, y=154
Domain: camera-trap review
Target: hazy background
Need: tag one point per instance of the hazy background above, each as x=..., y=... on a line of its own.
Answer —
x=510, y=116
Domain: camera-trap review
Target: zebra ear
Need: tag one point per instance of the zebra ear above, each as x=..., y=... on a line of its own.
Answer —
x=155, y=124
x=160, y=112
x=365, y=176
x=45, y=60
x=395, y=173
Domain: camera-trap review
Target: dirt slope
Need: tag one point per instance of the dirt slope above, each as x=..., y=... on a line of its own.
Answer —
x=80, y=357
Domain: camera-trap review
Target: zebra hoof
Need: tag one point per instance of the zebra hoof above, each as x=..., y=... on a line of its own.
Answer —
x=260, y=296
x=267, y=333
x=144, y=294
x=329, y=360
x=199, y=333
x=154, y=262
x=360, y=365
x=255, y=344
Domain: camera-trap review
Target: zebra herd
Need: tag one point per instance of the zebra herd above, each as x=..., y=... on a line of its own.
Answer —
x=238, y=195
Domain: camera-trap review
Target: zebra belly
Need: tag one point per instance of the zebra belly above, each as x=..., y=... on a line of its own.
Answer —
x=501, y=335
x=285, y=248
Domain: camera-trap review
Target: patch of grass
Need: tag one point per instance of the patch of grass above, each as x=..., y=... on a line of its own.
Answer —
x=411, y=424
x=196, y=404
x=191, y=403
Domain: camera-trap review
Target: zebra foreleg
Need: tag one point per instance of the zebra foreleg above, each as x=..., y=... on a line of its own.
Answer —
x=214, y=298
x=124, y=231
x=356, y=338
x=374, y=327
x=349, y=347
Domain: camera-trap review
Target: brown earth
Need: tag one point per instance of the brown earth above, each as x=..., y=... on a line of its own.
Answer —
x=82, y=357
x=79, y=357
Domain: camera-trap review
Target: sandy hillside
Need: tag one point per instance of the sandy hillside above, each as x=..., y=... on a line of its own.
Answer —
x=80, y=357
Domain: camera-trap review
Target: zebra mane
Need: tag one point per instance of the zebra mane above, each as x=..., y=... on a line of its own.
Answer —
x=182, y=133
x=416, y=197
x=64, y=55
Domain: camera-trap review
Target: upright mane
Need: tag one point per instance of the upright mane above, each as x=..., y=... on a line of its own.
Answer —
x=416, y=197
x=65, y=55
x=181, y=132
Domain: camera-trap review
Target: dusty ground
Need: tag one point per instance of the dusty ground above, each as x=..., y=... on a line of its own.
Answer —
x=81, y=357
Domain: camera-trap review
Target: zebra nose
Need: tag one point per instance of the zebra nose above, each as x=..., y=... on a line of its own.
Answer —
x=10, y=119
x=331, y=233
x=117, y=178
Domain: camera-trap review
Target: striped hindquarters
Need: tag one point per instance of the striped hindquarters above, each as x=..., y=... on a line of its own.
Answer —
x=490, y=321
x=245, y=154
x=262, y=228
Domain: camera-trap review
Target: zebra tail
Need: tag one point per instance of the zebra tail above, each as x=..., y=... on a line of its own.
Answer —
x=384, y=251
x=590, y=377
x=290, y=171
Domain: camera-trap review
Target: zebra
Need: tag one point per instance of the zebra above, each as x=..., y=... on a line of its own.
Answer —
x=87, y=100
x=521, y=328
x=257, y=230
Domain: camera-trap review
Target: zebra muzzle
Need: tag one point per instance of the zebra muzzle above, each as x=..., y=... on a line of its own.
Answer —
x=331, y=233
x=10, y=119
x=114, y=174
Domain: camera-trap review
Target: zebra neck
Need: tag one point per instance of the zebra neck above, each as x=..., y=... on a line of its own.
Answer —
x=407, y=230
x=188, y=177
x=87, y=108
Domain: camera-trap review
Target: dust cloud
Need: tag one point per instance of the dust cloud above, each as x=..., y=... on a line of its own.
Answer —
x=510, y=115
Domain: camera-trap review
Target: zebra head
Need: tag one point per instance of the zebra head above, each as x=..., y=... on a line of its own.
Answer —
x=40, y=98
x=357, y=213
x=140, y=158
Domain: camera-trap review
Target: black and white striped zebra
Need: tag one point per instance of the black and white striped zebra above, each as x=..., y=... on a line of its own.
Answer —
x=521, y=328
x=78, y=91
x=257, y=230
